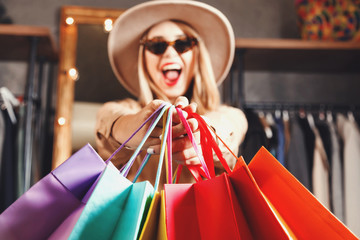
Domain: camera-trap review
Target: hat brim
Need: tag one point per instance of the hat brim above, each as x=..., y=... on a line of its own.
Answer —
x=213, y=27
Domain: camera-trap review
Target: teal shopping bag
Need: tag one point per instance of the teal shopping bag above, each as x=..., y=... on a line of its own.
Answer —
x=117, y=207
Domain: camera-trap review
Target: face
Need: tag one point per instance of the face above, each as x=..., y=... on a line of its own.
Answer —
x=171, y=71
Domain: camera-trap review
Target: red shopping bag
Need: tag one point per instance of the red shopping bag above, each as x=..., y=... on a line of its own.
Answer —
x=302, y=212
x=229, y=206
x=204, y=210
x=298, y=212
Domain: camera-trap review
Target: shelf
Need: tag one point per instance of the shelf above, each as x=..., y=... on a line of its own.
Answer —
x=292, y=55
x=15, y=43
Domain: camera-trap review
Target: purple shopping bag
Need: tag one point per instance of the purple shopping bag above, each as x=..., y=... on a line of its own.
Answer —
x=41, y=209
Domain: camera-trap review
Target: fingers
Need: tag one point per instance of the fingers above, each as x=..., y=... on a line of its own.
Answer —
x=179, y=129
x=183, y=151
x=186, y=157
x=181, y=102
x=192, y=107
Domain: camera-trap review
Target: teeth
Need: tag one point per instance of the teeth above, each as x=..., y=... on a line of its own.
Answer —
x=172, y=67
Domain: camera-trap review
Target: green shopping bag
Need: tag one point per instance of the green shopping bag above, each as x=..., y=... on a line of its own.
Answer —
x=117, y=207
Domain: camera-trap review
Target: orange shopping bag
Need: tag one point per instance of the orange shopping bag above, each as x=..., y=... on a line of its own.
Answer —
x=302, y=212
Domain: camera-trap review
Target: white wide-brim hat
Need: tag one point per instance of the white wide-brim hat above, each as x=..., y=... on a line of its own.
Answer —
x=124, y=39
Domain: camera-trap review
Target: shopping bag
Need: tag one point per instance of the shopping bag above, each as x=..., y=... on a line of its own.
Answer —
x=206, y=209
x=114, y=198
x=154, y=227
x=151, y=225
x=64, y=230
x=229, y=206
x=257, y=210
x=117, y=207
x=41, y=209
x=302, y=212
x=298, y=212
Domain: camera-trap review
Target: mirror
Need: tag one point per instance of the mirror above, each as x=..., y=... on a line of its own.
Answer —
x=85, y=78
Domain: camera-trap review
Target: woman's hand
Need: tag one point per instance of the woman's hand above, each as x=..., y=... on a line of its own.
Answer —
x=182, y=149
x=126, y=125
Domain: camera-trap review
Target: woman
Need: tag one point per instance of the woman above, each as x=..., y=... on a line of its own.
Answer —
x=175, y=51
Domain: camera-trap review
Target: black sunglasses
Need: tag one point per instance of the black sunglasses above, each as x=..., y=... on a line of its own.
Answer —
x=158, y=46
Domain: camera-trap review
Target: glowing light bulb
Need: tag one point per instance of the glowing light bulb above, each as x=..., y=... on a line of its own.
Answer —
x=73, y=74
x=108, y=25
x=69, y=20
x=61, y=121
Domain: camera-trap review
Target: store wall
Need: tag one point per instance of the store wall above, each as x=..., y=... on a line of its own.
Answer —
x=250, y=18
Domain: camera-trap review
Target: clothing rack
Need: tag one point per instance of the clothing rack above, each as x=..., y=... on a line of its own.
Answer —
x=308, y=107
x=36, y=46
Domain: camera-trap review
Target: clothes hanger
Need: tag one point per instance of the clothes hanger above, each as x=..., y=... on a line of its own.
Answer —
x=10, y=101
x=329, y=116
x=270, y=119
x=310, y=119
x=277, y=113
x=285, y=115
x=322, y=116
x=351, y=116
x=264, y=122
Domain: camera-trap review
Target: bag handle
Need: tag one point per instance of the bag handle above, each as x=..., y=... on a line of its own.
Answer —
x=167, y=118
x=157, y=114
x=193, y=142
x=166, y=129
x=146, y=158
x=141, y=144
x=168, y=155
x=136, y=131
x=208, y=142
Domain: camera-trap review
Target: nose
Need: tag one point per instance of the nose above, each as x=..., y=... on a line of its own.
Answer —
x=170, y=51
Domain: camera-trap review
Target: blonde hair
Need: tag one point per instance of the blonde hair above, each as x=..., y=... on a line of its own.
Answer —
x=205, y=92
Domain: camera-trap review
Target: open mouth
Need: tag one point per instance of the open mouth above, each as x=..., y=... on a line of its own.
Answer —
x=171, y=73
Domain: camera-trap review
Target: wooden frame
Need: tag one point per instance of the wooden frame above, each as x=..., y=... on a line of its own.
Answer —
x=62, y=148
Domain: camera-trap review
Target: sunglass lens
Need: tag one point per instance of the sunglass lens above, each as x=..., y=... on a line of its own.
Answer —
x=157, y=47
x=183, y=45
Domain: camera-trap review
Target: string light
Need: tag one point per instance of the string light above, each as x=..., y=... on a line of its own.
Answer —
x=73, y=74
x=61, y=121
x=108, y=25
x=69, y=20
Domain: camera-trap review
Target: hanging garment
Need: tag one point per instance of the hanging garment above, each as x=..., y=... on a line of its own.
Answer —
x=336, y=174
x=287, y=133
x=271, y=133
x=255, y=136
x=350, y=135
x=309, y=144
x=280, y=154
x=325, y=135
x=320, y=173
x=20, y=151
x=2, y=138
x=297, y=162
x=8, y=173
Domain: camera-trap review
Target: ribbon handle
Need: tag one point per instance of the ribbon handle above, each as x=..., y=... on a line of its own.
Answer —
x=137, y=151
x=209, y=144
x=193, y=142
